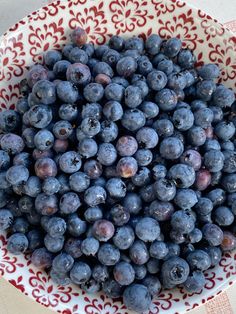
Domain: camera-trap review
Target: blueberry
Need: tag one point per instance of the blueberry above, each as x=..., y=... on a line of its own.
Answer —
x=126, y=146
x=4, y=160
x=43, y=140
x=73, y=247
x=147, y=137
x=229, y=183
x=185, y=198
x=45, y=167
x=215, y=254
x=113, y=110
x=79, y=36
x=199, y=260
x=23, y=159
x=138, y=252
x=46, y=204
x=223, y=216
x=156, y=80
x=62, y=263
x=95, y=195
x=132, y=202
x=143, y=157
x=140, y=271
x=212, y=234
x=133, y=119
x=183, y=119
x=161, y=211
x=69, y=203
x=42, y=258
x=6, y=219
x=174, y=271
x=70, y=162
x=203, y=117
x=224, y=130
x=172, y=47
x=196, y=136
x=78, y=55
x=183, y=222
x=177, y=81
x=195, y=282
x=103, y=230
x=163, y=127
x=124, y=237
x=134, y=43
x=11, y=144
x=93, y=213
x=186, y=59
x=51, y=57
x=205, y=89
x=204, y=206
x=127, y=167
x=112, y=289
x=133, y=96
x=79, y=181
x=75, y=225
x=142, y=177
x=39, y=116
x=229, y=161
x=36, y=72
x=144, y=65
x=78, y=74
x=59, y=278
x=17, y=174
x=223, y=97
x=111, y=57
x=106, y=154
x=20, y=225
x=147, y=229
x=165, y=189
x=165, y=66
x=93, y=169
x=109, y=131
x=60, y=68
x=171, y=148
x=124, y=273
x=108, y=254
x=45, y=92
x=32, y=186
x=120, y=80
x=150, y=109
x=103, y=68
x=90, y=246
x=116, y=188
x=229, y=242
x=182, y=175
x=217, y=196
x=191, y=158
x=158, y=249
x=17, y=243
x=102, y=79
x=9, y=120
x=116, y=42
x=136, y=297
x=80, y=273
x=92, y=110
x=126, y=66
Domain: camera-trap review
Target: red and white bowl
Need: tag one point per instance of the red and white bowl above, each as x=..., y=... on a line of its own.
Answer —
x=48, y=28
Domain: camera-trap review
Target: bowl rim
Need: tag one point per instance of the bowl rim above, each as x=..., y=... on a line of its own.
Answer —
x=222, y=287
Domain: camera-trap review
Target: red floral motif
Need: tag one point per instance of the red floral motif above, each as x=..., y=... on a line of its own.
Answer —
x=225, y=58
x=8, y=96
x=163, y=7
x=74, y=310
x=11, y=57
x=128, y=14
x=231, y=25
x=51, y=9
x=76, y=2
x=45, y=292
x=210, y=29
x=93, y=20
x=182, y=26
x=103, y=305
x=16, y=26
x=47, y=37
x=18, y=283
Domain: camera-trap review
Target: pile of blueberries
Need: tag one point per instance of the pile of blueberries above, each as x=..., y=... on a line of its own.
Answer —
x=118, y=167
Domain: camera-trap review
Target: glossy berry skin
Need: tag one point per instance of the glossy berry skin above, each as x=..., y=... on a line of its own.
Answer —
x=214, y=160
x=182, y=175
x=113, y=110
x=46, y=204
x=229, y=242
x=171, y=148
x=192, y=158
x=116, y=187
x=79, y=36
x=124, y=273
x=127, y=167
x=16, y=175
x=6, y=219
x=62, y=263
x=43, y=140
x=12, y=143
x=185, y=198
x=203, y=179
x=32, y=186
x=126, y=66
x=126, y=146
x=109, y=131
x=138, y=252
x=108, y=254
x=172, y=47
x=132, y=202
x=124, y=237
x=223, y=216
x=45, y=167
x=166, y=99
x=199, y=260
x=158, y=249
x=78, y=74
x=161, y=211
x=213, y=234
x=90, y=246
x=183, y=222
x=223, y=97
x=142, y=177
x=224, y=130
x=204, y=206
x=147, y=229
x=73, y=247
x=80, y=273
x=183, y=119
x=143, y=157
x=174, y=271
x=103, y=230
x=17, y=243
x=93, y=169
x=165, y=189
x=106, y=154
x=42, y=258
x=95, y=195
x=133, y=119
x=137, y=298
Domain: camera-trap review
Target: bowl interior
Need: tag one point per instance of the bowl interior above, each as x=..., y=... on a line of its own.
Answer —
x=49, y=27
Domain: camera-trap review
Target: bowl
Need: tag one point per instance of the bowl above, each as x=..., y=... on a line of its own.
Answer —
x=49, y=27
